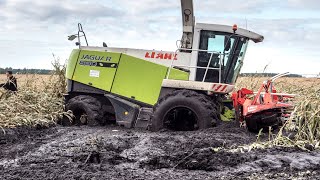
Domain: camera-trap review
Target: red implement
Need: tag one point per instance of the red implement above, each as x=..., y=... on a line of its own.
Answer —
x=263, y=108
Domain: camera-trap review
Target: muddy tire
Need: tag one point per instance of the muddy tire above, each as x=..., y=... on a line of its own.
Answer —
x=262, y=121
x=197, y=111
x=87, y=110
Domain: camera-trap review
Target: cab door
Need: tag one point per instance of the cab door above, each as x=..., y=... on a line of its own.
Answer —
x=219, y=45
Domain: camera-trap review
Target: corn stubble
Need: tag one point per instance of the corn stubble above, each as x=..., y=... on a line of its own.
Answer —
x=39, y=101
x=302, y=130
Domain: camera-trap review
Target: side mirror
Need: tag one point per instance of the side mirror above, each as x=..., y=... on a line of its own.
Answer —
x=227, y=43
x=72, y=37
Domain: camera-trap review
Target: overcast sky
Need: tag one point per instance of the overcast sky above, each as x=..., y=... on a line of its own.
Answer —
x=31, y=30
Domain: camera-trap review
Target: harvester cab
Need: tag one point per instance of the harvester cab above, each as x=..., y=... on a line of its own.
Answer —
x=180, y=90
x=217, y=51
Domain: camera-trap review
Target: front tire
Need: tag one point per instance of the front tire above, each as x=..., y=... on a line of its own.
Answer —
x=87, y=110
x=185, y=110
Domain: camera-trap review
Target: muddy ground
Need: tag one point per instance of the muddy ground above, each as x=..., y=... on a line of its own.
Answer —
x=118, y=153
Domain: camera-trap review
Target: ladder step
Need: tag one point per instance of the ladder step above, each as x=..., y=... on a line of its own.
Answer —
x=144, y=116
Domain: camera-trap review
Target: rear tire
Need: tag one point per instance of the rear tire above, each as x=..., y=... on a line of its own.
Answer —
x=185, y=110
x=87, y=110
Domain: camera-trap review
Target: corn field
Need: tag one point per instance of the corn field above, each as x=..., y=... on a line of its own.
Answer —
x=39, y=102
x=303, y=128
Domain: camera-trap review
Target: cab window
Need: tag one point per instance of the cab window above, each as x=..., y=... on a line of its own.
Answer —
x=218, y=43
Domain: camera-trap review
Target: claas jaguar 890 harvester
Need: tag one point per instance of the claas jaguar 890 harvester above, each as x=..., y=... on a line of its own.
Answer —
x=181, y=90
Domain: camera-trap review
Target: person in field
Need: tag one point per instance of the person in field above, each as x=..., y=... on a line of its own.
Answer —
x=11, y=84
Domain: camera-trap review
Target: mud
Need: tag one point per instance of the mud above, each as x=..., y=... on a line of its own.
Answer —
x=118, y=153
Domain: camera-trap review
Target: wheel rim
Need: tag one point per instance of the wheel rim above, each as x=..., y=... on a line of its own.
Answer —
x=180, y=119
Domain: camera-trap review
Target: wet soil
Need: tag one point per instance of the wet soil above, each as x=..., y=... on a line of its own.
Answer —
x=118, y=153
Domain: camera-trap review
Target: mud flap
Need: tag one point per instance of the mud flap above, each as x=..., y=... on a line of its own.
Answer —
x=126, y=112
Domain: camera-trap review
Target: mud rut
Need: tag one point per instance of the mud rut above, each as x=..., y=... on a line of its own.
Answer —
x=119, y=153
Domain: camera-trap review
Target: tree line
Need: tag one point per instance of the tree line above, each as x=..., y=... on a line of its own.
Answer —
x=266, y=75
x=25, y=71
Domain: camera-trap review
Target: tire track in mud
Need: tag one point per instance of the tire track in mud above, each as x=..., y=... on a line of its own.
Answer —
x=118, y=153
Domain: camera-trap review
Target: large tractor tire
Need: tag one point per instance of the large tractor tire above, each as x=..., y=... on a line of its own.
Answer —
x=185, y=110
x=87, y=110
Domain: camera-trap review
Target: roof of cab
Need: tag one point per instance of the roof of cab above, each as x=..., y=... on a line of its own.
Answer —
x=224, y=28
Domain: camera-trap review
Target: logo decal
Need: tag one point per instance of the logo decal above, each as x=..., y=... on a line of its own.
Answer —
x=96, y=58
x=160, y=55
x=98, y=64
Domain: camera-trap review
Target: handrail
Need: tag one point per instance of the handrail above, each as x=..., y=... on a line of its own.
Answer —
x=80, y=30
x=198, y=67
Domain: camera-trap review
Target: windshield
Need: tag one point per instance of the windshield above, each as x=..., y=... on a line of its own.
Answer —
x=233, y=67
x=221, y=46
x=239, y=62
